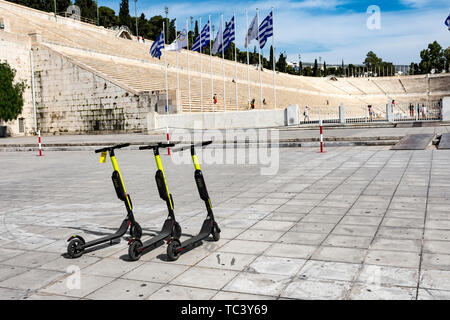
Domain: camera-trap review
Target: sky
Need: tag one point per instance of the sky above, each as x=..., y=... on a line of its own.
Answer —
x=333, y=30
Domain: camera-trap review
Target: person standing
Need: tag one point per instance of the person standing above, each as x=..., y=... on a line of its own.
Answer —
x=411, y=110
x=306, y=113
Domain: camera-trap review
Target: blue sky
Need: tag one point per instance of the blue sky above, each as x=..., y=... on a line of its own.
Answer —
x=330, y=29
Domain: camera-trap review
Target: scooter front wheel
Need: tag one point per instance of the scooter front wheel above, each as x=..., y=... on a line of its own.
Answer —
x=173, y=250
x=134, y=250
x=74, y=248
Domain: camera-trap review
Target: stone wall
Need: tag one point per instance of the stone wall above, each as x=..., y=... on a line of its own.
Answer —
x=15, y=49
x=71, y=99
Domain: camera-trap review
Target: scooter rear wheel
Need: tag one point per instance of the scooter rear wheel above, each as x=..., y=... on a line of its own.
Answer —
x=136, y=231
x=172, y=250
x=74, y=249
x=134, y=250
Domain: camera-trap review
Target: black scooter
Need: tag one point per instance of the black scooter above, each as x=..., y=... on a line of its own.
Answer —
x=171, y=229
x=77, y=244
x=210, y=226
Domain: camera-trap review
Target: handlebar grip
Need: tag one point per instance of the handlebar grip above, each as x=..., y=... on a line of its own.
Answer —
x=102, y=150
x=159, y=145
x=119, y=146
x=206, y=143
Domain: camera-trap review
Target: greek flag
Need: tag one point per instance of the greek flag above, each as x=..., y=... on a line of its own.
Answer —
x=204, y=37
x=228, y=35
x=447, y=22
x=156, y=47
x=265, y=30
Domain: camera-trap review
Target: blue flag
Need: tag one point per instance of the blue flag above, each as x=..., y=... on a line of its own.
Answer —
x=265, y=30
x=204, y=36
x=228, y=35
x=447, y=22
x=156, y=47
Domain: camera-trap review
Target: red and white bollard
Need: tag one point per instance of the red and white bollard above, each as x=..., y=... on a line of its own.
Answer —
x=168, y=140
x=321, y=136
x=40, y=144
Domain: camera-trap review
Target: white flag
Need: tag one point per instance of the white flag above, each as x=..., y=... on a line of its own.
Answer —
x=252, y=32
x=218, y=41
x=180, y=42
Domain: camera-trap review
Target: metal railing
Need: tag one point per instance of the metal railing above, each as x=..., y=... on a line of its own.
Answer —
x=421, y=112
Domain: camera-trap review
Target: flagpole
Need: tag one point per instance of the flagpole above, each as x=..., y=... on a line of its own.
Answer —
x=223, y=68
x=165, y=67
x=248, y=59
x=189, y=69
x=201, y=67
x=259, y=61
x=210, y=63
x=178, y=75
x=235, y=64
x=274, y=71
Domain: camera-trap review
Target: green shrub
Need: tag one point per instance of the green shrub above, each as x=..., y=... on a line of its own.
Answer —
x=11, y=94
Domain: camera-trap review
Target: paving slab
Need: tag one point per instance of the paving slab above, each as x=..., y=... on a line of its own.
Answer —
x=155, y=272
x=67, y=287
x=227, y=261
x=336, y=254
x=428, y=294
x=373, y=292
x=444, y=144
x=276, y=265
x=388, y=276
x=258, y=284
x=393, y=258
x=12, y=294
x=172, y=292
x=323, y=270
x=210, y=279
x=123, y=289
x=31, y=280
x=290, y=250
x=414, y=142
x=316, y=290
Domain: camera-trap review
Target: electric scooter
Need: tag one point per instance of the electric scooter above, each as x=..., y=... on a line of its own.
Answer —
x=171, y=229
x=77, y=244
x=210, y=226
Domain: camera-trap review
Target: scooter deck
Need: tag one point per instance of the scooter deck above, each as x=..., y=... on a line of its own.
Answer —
x=165, y=233
x=122, y=230
x=196, y=240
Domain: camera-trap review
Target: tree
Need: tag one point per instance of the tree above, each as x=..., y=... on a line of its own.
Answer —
x=325, y=69
x=315, y=69
x=108, y=17
x=372, y=61
x=88, y=9
x=281, y=64
x=414, y=68
x=432, y=58
x=447, y=59
x=124, y=14
x=11, y=94
x=196, y=33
